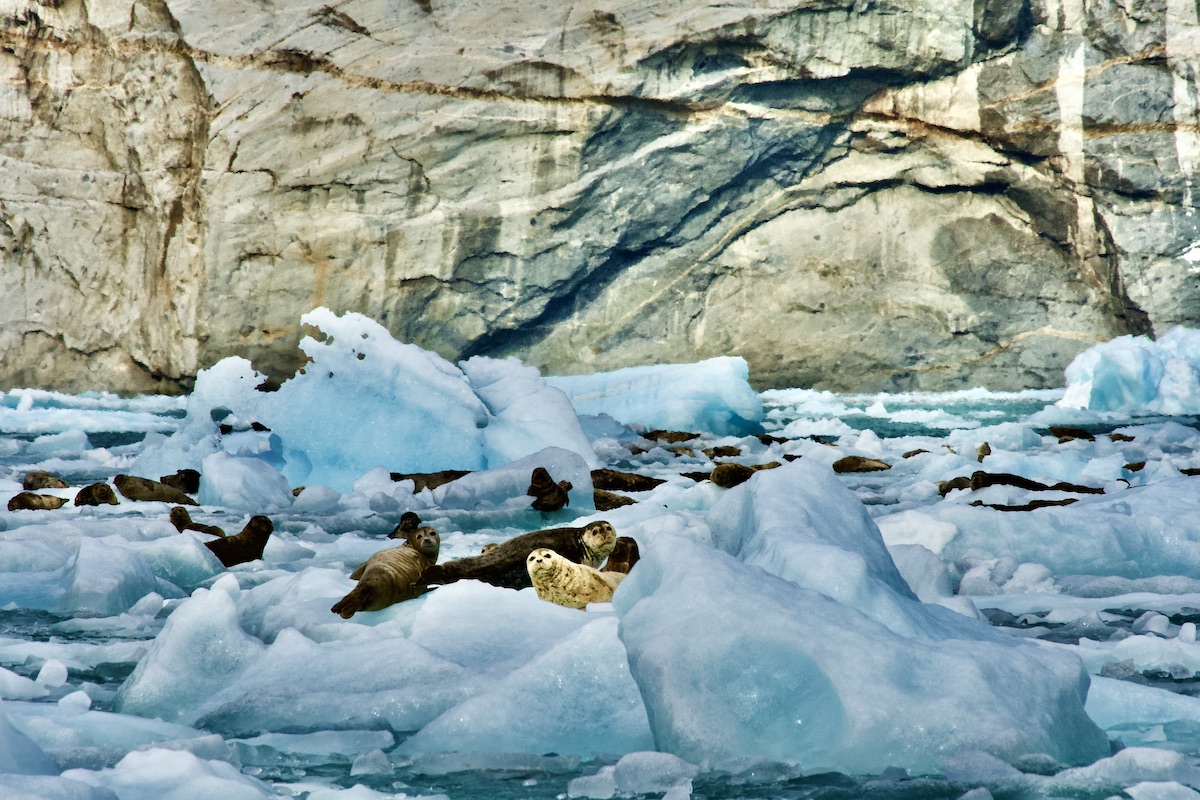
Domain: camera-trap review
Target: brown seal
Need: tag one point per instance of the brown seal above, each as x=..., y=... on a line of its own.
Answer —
x=245, y=546
x=409, y=522
x=182, y=521
x=609, y=479
x=135, y=488
x=30, y=501
x=547, y=495
x=566, y=583
x=607, y=501
x=185, y=480
x=505, y=565
x=429, y=480
x=623, y=556
x=392, y=575
x=859, y=464
x=40, y=479
x=96, y=494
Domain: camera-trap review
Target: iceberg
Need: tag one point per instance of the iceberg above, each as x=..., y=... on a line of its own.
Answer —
x=712, y=395
x=1135, y=374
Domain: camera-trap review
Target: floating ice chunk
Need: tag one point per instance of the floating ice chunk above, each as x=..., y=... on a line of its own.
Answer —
x=75, y=703
x=929, y=578
x=53, y=674
x=1133, y=373
x=173, y=775
x=506, y=485
x=183, y=560
x=43, y=787
x=1132, y=765
x=801, y=523
x=299, y=684
x=18, y=753
x=528, y=414
x=375, y=762
x=712, y=395
x=1161, y=790
x=200, y=649
x=105, y=579
x=18, y=687
x=316, y=500
x=915, y=527
x=243, y=483
x=367, y=400
x=600, y=786
x=58, y=443
x=1119, y=704
x=646, y=772
x=683, y=611
x=490, y=629
x=575, y=698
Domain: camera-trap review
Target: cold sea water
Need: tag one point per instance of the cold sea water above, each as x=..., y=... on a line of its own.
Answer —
x=92, y=437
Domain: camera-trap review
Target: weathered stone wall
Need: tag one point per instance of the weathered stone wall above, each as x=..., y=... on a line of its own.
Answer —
x=864, y=194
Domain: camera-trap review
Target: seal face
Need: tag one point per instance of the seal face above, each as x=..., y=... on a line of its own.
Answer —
x=565, y=583
x=245, y=546
x=409, y=522
x=504, y=565
x=391, y=576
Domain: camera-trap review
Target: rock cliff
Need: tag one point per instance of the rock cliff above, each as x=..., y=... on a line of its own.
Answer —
x=851, y=194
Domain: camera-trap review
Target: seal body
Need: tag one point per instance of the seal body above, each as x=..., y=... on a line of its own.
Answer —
x=391, y=576
x=504, y=565
x=623, y=556
x=185, y=480
x=245, y=546
x=96, y=494
x=40, y=479
x=182, y=521
x=566, y=583
x=546, y=493
x=31, y=501
x=135, y=488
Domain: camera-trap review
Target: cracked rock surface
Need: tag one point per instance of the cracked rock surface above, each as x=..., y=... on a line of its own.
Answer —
x=851, y=194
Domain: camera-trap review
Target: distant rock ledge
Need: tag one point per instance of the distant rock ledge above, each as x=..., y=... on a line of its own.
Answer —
x=871, y=196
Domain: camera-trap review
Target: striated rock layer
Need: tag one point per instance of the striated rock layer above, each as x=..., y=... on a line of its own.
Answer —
x=853, y=194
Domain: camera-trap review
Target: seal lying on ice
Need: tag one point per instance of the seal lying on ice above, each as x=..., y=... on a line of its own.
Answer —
x=504, y=565
x=391, y=575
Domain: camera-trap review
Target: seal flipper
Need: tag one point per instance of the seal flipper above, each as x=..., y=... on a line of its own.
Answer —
x=358, y=573
x=357, y=600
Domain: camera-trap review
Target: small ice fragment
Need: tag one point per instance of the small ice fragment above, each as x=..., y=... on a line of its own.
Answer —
x=75, y=703
x=52, y=674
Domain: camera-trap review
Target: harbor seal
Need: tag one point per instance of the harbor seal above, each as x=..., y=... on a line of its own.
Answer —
x=391, y=576
x=96, y=494
x=31, y=501
x=40, y=479
x=245, y=546
x=546, y=493
x=557, y=580
x=182, y=521
x=624, y=555
x=185, y=480
x=134, y=488
x=409, y=522
x=504, y=565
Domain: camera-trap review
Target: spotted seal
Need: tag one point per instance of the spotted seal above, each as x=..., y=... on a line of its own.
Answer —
x=566, y=583
x=41, y=479
x=504, y=565
x=245, y=546
x=391, y=575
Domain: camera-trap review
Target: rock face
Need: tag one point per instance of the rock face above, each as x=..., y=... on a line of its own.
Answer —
x=851, y=194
